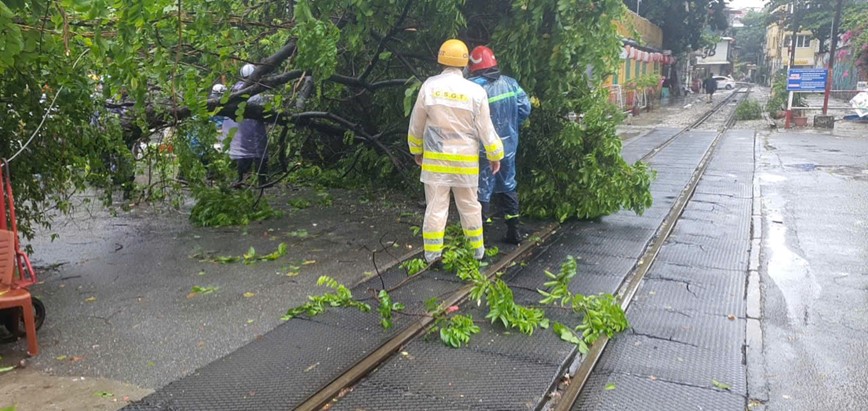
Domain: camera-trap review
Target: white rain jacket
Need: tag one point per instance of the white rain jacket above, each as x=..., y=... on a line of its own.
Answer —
x=451, y=117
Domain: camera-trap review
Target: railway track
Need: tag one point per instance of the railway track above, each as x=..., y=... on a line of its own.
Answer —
x=308, y=364
x=628, y=289
x=723, y=110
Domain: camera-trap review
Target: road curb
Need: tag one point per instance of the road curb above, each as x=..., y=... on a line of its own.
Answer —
x=757, y=385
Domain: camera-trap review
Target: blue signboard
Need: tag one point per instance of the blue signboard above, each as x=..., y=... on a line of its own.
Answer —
x=806, y=79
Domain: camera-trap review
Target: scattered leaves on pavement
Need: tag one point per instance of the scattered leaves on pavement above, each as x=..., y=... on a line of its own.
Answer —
x=90, y=299
x=610, y=386
x=103, y=394
x=300, y=233
x=248, y=294
x=200, y=290
x=719, y=385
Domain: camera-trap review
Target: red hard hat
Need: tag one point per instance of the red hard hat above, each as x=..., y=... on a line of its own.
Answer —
x=482, y=58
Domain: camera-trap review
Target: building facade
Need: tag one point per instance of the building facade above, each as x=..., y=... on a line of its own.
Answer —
x=641, y=60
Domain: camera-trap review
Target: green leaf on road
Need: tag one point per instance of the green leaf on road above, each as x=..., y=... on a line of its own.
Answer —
x=103, y=394
x=6, y=369
x=565, y=333
x=719, y=385
x=610, y=386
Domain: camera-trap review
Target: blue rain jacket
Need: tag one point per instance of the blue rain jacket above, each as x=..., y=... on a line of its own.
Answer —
x=509, y=106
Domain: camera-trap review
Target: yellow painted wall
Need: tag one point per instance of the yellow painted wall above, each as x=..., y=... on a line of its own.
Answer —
x=778, y=51
x=649, y=34
x=631, y=26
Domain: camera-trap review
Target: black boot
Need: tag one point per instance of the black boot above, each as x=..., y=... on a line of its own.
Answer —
x=513, y=234
x=486, y=212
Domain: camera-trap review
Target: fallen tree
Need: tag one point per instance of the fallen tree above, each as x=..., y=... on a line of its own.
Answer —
x=341, y=76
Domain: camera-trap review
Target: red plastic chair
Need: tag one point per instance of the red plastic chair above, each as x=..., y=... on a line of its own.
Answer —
x=13, y=296
x=16, y=303
x=26, y=276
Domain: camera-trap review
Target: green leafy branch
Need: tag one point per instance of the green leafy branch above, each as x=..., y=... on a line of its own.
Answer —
x=502, y=307
x=458, y=257
x=601, y=314
x=457, y=330
x=219, y=207
x=454, y=331
x=386, y=308
x=249, y=257
x=341, y=297
x=414, y=266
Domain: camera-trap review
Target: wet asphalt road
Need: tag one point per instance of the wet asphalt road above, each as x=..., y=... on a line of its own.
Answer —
x=813, y=272
x=118, y=297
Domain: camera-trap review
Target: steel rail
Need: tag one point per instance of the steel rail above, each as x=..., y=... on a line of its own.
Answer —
x=628, y=288
x=693, y=125
x=392, y=345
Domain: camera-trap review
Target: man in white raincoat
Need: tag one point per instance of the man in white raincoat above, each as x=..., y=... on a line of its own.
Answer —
x=449, y=121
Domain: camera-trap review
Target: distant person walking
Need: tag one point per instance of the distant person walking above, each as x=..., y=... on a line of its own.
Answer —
x=710, y=86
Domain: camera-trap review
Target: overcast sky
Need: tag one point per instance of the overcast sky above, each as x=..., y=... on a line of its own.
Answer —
x=739, y=4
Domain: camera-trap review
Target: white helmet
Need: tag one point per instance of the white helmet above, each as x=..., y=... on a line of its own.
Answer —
x=218, y=89
x=247, y=70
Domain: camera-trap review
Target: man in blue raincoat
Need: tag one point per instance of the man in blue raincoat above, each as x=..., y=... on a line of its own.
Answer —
x=510, y=106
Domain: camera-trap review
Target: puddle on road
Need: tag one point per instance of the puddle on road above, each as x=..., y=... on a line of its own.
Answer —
x=790, y=272
x=772, y=178
x=853, y=172
x=803, y=166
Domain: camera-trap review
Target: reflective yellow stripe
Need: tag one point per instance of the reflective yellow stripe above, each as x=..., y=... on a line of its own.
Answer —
x=450, y=169
x=451, y=157
x=473, y=233
x=438, y=235
x=434, y=247
x=414, y=140
x=493, y=147
x=496, y=156
x=473, y=244
x=501, y=97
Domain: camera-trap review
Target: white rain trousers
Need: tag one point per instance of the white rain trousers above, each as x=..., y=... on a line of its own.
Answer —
x=437, y=213
x=449, y=121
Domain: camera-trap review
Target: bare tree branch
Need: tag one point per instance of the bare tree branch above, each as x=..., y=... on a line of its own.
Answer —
x=396, y=27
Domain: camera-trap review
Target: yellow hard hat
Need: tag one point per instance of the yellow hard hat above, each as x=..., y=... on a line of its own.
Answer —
x=453, y=53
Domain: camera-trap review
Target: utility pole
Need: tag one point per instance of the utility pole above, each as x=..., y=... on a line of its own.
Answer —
x=795, y=23
x=832, y=50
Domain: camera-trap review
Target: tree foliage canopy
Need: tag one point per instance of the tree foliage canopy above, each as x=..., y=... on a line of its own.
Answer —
x=815, y=16
x=856, y=26
x=340, y=74
x=684, y=22
x=752, y=37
